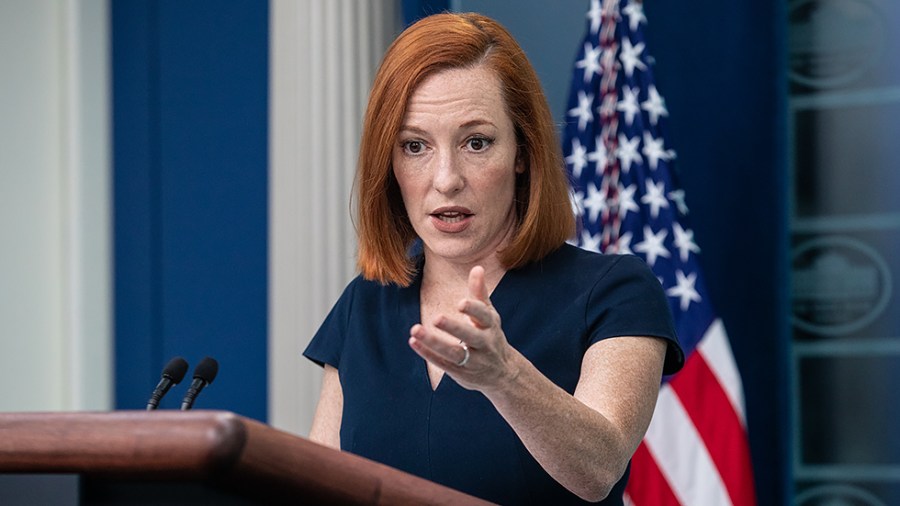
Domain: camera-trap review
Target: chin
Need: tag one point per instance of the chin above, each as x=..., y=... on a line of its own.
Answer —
x=450, y=249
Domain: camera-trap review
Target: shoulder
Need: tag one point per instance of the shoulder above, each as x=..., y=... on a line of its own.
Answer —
x=371, y=300
x=587, y=266
x=358, y=294
x=572, y=276
x=363, y=306
x=627, y=299
x=360, y=286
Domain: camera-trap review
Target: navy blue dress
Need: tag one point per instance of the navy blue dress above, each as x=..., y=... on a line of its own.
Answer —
x=551, y=311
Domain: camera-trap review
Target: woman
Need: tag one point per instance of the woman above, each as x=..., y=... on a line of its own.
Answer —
x=498, y=360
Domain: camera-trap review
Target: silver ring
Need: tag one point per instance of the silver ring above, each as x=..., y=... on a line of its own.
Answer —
x=465, y=359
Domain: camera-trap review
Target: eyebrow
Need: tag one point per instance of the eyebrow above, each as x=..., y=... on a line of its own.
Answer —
x=477, y=122
x=467, y=124
x=412, y=129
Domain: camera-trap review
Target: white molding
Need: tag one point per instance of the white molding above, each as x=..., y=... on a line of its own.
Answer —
x=322, y=59
x=86, y=190
x=55, y=345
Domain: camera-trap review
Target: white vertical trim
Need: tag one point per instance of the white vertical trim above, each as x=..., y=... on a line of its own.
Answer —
x=31, y=201
x=286, y=31
x=54, y=202
x=322, y=53
x=86, y=223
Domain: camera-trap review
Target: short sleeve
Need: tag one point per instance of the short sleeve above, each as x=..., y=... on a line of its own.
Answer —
x=628, y=300
x=328, y=342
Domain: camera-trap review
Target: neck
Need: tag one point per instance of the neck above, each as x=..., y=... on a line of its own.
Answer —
x=453, y=277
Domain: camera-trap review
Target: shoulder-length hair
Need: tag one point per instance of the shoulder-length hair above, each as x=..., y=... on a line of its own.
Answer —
x=544, y=218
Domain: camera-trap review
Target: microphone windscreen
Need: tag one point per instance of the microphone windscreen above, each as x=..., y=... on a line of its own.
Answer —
x=176, y=369
x=207, y=370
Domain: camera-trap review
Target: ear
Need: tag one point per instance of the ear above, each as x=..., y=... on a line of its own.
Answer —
x=520, y=162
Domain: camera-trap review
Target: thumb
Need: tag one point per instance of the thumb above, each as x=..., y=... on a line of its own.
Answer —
x=477, y=288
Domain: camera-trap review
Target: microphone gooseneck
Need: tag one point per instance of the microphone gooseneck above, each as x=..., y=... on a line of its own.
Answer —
x=204, y=374
x=172, y=375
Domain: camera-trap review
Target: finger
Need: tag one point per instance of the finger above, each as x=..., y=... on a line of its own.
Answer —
x=436, y=358
x=460, y=330
x=444, y=346
x=477, y=288
x=479, y=313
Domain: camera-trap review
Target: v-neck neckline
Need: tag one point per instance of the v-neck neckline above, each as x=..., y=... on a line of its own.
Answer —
x=415, y=316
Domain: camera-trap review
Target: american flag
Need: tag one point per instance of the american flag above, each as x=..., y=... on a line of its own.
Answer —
x=625, y=190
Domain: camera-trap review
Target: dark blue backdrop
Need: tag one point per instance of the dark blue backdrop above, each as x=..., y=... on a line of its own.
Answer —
x=190, y=95
x=722, y=68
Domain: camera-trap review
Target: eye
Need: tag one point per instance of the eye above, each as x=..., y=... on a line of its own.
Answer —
x=478, y=143
x=413, y=147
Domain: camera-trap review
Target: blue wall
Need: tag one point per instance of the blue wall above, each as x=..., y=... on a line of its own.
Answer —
x=190, y=81
x=722, y=68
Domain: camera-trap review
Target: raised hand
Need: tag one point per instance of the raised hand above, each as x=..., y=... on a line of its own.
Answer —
x=472, y=347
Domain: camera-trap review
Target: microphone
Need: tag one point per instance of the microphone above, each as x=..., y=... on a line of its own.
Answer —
x=204, y=374
x=172, y=374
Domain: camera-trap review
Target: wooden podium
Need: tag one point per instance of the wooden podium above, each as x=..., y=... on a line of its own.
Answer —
x=201, y=457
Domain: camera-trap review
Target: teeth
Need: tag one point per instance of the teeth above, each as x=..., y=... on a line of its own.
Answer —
x=451, y=217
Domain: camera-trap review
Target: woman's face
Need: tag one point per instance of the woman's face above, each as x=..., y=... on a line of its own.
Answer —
x=455, y=161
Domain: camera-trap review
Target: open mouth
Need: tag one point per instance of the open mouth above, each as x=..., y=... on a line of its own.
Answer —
x=451, y=216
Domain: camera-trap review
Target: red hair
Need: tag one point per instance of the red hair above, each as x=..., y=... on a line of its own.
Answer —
x=544, y=218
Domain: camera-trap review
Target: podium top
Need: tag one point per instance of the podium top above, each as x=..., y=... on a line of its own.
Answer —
x=219, y=448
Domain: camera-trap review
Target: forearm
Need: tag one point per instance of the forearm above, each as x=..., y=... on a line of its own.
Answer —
x=326, y=424
x=583, y=440
x=579, y=447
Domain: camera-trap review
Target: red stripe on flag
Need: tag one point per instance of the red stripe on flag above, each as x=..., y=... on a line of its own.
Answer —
x=718, y=425
x=647, y=486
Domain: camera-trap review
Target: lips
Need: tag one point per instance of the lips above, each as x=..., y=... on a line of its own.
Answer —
x=451, y=219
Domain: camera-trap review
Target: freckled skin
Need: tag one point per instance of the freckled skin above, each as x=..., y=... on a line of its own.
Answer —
x=457, y=147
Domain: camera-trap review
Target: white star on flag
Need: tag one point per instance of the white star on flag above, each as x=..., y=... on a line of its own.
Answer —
x=655, y=105
x=652, y=245
x=598, y=156
x=578, y=158
x=591, y=62
x=630, y=56
x=595, y=203
x=653, y=150
x=583, y=111
x=626, y=200
x=635, y=13
x=684, y=241
x=684, y=289
x=629, y=104
x=595, y=15
x=623, y=245
x=677, y=196
x=590, y=242
x=627, y=152
x=654, y=197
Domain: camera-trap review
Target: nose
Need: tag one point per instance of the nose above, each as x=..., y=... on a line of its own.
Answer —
x=448, y=176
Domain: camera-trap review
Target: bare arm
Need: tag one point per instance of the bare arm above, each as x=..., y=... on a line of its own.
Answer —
x=583, y=441
x=326, y=425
